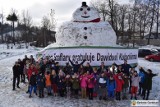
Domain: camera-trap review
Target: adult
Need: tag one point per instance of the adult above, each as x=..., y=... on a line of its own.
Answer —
x=76, y=66
x=32, y=60
x=56, y=67
x=102, y=68
x=88, y=68
x=22, y=75
x=16, y=75
x=25, y=59
x=126, y=67
x=147, y=86
x=67, y=69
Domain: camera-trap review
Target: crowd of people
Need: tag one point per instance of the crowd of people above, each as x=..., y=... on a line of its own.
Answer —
x=79, y=80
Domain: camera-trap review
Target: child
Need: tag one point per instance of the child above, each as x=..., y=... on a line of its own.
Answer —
x=32, y=84
x=91, y=83
x=135, y=83
x=111, y=85
x=142, y=76
x=96, y=76
x=53, y=78
x=61, y=83
x=75, y=84
x=48, y=83
x=119, y=84
x=68, y=85
x=83, y=82
x=40, y=84
x=125, y=86
x=102, y=86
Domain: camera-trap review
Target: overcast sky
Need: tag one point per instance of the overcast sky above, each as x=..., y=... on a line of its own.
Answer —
x=39, y=8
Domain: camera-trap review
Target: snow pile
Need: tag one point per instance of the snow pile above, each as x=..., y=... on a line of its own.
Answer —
x=4, y=52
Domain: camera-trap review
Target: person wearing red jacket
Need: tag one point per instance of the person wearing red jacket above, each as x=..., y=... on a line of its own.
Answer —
x=30, y=71
x=119, y=84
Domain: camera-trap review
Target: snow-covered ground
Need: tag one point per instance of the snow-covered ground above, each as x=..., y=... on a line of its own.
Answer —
x=19, y=98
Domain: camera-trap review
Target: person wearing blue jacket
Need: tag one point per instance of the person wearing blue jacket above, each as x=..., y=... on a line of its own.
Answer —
x=40, y=84
x=111, y=85
x=142, y=76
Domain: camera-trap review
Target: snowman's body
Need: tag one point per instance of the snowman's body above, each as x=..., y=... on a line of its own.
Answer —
x=85, y=29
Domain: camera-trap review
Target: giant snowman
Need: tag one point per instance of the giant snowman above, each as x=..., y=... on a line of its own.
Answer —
x=85, y=29
x=87, y=37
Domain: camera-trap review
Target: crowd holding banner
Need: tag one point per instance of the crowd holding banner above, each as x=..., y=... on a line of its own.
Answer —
x=81, y=81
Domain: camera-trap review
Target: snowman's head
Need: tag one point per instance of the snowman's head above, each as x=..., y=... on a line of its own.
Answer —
x=86, y=14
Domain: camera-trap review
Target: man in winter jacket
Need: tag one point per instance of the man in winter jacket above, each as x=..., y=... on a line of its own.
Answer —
x=147, y=86
x=126, y=67
x=16, y=75
x=76, y=66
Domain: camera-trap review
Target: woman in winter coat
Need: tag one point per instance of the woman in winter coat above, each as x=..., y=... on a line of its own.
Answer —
x=111, y=85
x=135, y=83
x=147, y=82
x=53, y=78
x=119, y=84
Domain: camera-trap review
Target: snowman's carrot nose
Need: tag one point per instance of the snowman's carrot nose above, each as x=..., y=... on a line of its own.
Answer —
x=85, y=12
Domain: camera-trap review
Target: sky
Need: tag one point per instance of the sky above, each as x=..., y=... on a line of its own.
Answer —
x=39, y=8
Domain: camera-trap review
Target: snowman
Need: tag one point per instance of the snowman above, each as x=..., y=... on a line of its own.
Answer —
x=85, y=29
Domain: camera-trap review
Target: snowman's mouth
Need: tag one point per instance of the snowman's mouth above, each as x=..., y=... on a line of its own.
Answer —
x=85, y=16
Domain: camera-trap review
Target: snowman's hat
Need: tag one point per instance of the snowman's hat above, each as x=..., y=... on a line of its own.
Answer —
x=84, y=4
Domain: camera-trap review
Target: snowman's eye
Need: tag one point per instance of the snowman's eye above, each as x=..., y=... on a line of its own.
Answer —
x=88, y=9
x=81, y=9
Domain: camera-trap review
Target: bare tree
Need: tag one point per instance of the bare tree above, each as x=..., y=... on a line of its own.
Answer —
x=153, y=4
x=26, y=23
x=1, y=26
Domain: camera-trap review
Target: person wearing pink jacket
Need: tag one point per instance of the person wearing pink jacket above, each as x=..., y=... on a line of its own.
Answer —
x=83, y=84
x=91, y=83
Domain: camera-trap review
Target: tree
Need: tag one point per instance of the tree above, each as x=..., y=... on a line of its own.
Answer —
x=153, y=4
x=26, y=24
x=1, y=26
x=48, y=26
x=13, y=18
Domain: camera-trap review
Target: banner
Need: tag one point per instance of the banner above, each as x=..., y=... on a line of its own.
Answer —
x=93, y=55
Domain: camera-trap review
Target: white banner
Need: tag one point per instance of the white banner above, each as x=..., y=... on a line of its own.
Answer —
x=92, y=55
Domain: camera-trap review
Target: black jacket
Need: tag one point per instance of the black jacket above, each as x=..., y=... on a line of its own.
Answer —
x=16, y=70
x=33, y=80
x=148, y=79
x=76, y=66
